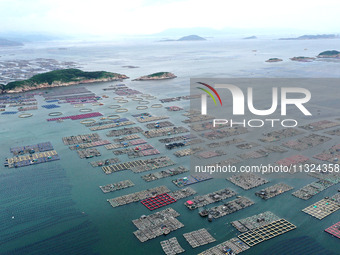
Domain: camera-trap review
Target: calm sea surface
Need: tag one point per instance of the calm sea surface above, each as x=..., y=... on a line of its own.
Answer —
x=58, y=208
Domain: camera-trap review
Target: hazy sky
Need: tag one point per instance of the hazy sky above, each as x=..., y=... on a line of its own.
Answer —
x=109, y=17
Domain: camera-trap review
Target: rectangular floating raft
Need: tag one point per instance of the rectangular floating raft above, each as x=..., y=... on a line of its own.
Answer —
x=158, y=201
x=78, y=117
x=334, y=230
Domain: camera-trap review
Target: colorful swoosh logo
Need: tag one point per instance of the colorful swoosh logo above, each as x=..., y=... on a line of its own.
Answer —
x=209, y=93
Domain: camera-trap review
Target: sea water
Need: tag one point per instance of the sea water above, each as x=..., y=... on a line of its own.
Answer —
x=58, y=208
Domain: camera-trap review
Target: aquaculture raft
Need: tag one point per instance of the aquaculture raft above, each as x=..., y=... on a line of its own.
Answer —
x=78, y=117
x=7, y=113
x=50, y=106
x=267, y=232
x=334, y=230
x=199, y=237
x=191, y=179
x=322, y=208
x=171, y=246
x=158, y=201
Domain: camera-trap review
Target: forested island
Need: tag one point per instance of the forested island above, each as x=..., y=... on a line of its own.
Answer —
x=58, y=78
x=157, y=76
x=329, y=54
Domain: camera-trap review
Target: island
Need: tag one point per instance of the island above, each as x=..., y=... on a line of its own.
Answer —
x=5, y=42
x=250, y=37
x=302, y=59
x=312, y=37
x=192, y=38
x=59, y=78
x=156, y=76
x=185, y=38
x=271, y=60
x=329, y=54
x=130, y=66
